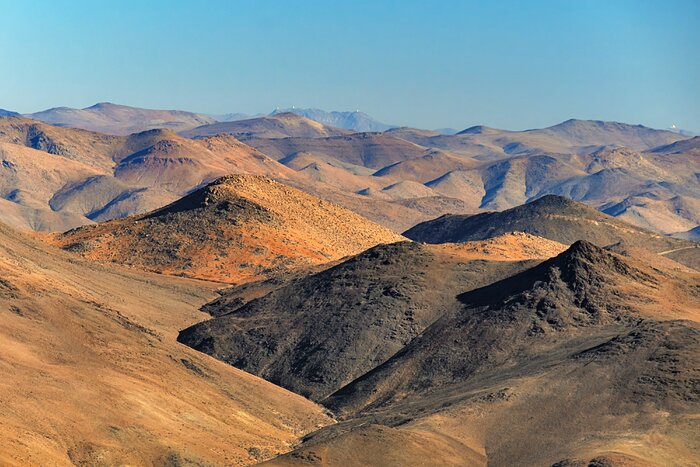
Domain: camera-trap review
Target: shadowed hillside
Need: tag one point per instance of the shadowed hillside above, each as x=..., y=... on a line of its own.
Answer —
x=556, y=218
x=318, y=333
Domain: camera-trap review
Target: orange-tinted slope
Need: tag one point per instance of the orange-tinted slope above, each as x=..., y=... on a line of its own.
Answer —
x=236, y=229
x=92, y=375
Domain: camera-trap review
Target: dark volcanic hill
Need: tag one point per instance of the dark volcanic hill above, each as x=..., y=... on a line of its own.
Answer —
x=556, y=218
x=508, y=321
x=495, y=379
x=318, y=333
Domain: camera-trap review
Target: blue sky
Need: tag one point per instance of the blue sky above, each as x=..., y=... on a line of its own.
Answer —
x=508, y=64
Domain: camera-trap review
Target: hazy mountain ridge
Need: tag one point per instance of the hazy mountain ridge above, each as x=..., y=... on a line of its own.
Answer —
x=126, y=175
x=109, y=118
x=280, y=125
x=356, y=121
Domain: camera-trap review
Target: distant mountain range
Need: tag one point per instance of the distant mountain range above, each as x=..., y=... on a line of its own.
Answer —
x=109, y=118
x=397, y=177
x=446, y=131
x=355, y=121
x=681, y=131
x=280, y=125
x=114, y=119
x=106, y=117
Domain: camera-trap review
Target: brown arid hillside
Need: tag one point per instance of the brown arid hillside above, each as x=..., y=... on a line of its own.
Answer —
x=236, y=229
x=178, y=164
x=425, y=168
x=313, y=335
x=58, y=178
x=683, y=146
x=561, y=364
x=92, y=373
x=29, y=179
x=94, y=149
x=114, y=119
x=282, y=125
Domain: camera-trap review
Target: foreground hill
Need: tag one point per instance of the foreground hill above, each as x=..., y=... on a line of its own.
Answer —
x=92, y=375
x=282, y=125
x=114, y=119
x=318, y=333
x=494, y=380
x=235, y=229
x=556, y=218
x=580, y=288
x=461, y=371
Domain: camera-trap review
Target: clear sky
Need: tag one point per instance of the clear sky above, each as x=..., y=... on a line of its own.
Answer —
x=430, y=64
